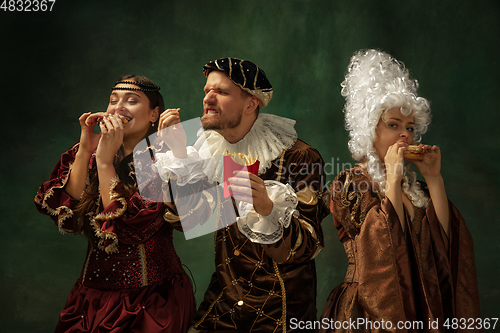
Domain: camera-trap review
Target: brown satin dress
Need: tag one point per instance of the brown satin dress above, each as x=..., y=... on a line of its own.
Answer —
x=397, y=281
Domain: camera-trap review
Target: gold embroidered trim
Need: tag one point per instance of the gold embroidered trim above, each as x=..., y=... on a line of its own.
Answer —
x=200, y=203
x=68, y=212
x=157, y=147
x=113, y=247
x=112, y=193
x=85, y=266
x=144, y=267
x=318, y=250
x=298, y=242
x=217, y=64
x=209, y=310
x=283, y=296
x=278, y=177
x=255, y=79
x=218, y=220
x=242, y=72
x=347, y=197
x=310, y=228
x=109, y=216
x=170, y=217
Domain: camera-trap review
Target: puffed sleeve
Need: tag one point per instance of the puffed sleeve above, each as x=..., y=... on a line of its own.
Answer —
x=52, y=199
x=187, y=170
x=129, y=218
x=352, y=197
x=302, y=170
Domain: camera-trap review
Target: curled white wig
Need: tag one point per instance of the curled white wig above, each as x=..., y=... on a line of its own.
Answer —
x=375, y=83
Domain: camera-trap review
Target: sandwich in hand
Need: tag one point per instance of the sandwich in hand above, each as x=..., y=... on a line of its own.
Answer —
x=123, y=118
x=414, y=152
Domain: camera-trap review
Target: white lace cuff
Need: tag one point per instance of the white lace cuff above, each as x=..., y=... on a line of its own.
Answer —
x=188, y=170
x=269, y=229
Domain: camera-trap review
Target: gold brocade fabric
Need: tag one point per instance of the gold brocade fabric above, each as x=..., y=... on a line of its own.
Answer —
x=399, y=281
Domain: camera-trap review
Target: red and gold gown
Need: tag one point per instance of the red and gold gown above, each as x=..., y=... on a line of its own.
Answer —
x=132, y=279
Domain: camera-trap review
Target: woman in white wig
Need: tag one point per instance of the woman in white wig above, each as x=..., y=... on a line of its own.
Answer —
x=410, y=255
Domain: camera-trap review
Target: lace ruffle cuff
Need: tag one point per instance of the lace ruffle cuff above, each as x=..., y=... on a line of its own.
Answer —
x=269, y=229
x=188, y=170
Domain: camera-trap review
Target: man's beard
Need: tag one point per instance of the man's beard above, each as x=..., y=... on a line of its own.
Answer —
x=228, y=124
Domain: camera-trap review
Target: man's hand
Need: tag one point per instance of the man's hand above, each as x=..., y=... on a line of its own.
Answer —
x=171, y=132
x=247, y=187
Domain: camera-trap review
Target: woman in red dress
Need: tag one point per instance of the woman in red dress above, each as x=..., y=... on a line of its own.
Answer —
x=132, y=279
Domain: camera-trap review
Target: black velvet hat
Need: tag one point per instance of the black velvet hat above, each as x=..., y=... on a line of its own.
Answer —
x=245, y=74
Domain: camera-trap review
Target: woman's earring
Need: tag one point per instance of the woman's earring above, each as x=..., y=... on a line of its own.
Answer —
x=152, y=124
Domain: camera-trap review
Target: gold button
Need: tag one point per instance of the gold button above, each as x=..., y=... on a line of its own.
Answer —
x=237, y=252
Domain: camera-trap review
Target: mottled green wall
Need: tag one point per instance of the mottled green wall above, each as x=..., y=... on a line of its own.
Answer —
x=57, y=65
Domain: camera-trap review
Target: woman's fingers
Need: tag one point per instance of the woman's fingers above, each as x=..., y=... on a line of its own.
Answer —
x=92, y=118
x=83, y=118
x=111, y=123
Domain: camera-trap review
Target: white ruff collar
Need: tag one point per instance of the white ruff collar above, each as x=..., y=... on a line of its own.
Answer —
x=267, y=138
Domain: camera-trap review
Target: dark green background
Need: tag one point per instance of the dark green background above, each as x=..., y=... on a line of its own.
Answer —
x=57, y=65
